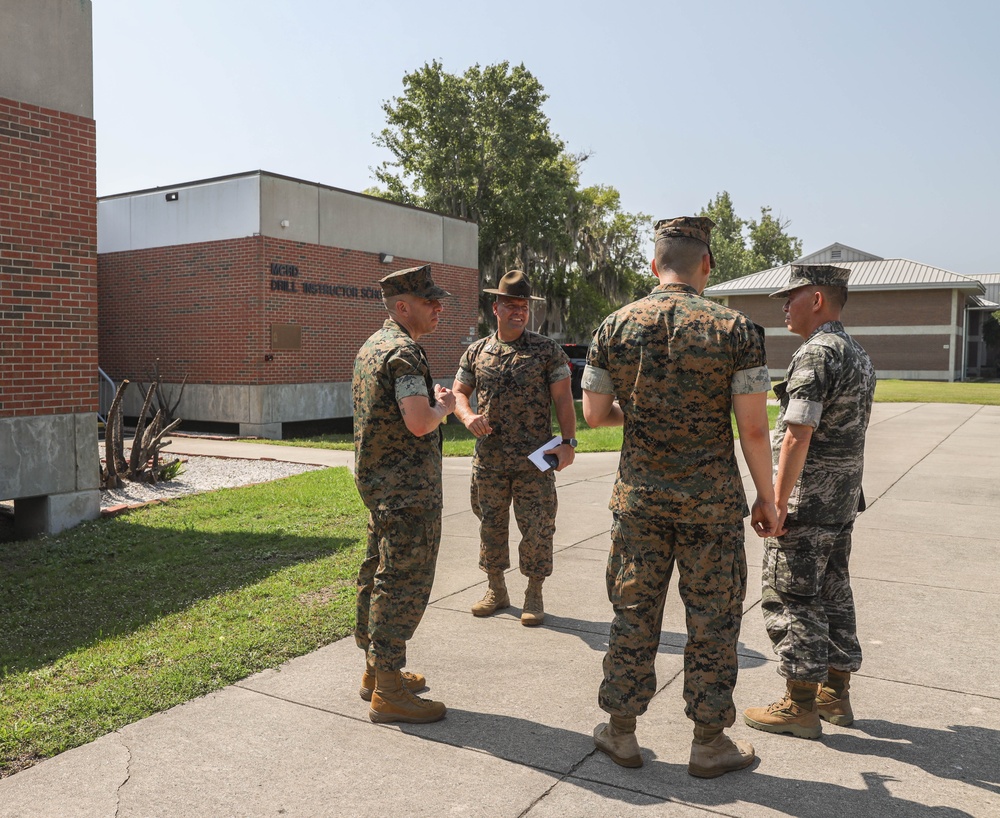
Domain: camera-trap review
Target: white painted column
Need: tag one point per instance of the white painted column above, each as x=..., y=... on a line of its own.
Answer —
x=953, y=336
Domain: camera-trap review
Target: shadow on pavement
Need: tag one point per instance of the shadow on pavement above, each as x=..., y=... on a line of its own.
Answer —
x=564, y=754
x=961, y=753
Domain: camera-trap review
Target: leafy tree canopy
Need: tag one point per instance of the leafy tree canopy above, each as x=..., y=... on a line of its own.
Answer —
x=744, y=246
x=479, y=146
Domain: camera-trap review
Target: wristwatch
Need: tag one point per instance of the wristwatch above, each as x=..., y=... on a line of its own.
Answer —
x=569, y=441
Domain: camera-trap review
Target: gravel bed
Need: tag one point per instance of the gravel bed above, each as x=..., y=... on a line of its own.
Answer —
x=203, y=474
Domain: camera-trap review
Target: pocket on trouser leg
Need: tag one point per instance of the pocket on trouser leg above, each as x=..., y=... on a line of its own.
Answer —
x=621, y=577
x=793, y=563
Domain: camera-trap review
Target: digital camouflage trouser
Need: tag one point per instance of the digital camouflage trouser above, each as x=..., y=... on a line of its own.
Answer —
x=394, y=581
x=807, y=601
x=711, y=569
x=534, y=496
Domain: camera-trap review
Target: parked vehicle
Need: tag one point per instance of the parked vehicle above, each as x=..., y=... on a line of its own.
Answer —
x=577, y=361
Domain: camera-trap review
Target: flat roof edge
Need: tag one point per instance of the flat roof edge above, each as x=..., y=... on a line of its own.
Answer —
x=250, y=173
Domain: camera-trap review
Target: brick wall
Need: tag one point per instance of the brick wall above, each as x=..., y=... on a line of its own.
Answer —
x=885, y=308
x=48, y=251
x=206, y=310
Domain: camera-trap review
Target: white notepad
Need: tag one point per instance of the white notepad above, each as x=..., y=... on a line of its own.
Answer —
x=536, y=456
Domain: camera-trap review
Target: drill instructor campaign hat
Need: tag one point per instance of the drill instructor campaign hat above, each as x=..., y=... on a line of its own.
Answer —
x=514, y=284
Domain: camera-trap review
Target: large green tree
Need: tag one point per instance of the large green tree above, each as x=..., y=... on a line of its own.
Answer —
x=744, y=246
x=479, y=146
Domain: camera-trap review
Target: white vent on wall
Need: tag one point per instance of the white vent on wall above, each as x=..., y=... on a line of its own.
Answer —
x=835, y=254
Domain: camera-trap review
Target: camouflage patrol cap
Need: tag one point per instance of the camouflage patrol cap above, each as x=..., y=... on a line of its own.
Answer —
x=686, y=227
x=819, y=275
x=414, y=281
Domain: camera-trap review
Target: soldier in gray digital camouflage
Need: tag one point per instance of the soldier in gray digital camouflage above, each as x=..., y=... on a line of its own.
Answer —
x=671, y=368
x=398, y=410
x=818, y=455
x=517, y=375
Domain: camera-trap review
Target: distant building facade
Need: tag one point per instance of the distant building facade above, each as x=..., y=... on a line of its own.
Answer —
x=259, y=289
x=981, y=360
x=914, y=320
x=49, y=462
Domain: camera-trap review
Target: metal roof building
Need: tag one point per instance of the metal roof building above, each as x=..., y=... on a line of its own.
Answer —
x=991, y=281
x=917, y=321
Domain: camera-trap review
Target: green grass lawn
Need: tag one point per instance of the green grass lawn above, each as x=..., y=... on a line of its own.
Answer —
x=120, y=618
x=459, y=442
x=981, y=393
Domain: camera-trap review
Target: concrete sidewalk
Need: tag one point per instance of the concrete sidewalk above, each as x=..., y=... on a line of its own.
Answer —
x=523, y=702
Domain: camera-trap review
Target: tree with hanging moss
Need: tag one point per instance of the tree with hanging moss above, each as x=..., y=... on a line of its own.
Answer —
x=479, y=146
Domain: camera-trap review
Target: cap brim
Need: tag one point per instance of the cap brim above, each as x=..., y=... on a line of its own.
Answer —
x=434, y=292
x=492, y=291
x=794, y=284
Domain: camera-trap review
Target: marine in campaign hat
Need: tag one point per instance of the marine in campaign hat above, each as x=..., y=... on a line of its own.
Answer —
x=514, y=284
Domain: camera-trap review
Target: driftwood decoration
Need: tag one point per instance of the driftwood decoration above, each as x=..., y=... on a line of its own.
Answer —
x=163, y=402
x=143, y=463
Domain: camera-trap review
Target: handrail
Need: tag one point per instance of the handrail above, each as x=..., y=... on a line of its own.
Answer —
x=105, y=394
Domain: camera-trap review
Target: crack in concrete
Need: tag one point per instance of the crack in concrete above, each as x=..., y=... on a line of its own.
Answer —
x=128, y=772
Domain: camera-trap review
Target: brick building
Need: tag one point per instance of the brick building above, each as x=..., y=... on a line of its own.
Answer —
x=48, y=278
x=911, y=318
x=260, y=289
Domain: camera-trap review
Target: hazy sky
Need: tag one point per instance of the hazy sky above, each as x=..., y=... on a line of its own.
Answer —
x=875, y=124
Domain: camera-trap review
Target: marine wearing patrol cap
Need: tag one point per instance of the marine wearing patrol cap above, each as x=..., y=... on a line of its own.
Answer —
x=514, y=284
x=413, y=281
x=818, y=275
x=686, y=227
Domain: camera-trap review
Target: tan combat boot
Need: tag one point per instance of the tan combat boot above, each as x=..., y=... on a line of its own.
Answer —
x=713, y=753
x=411, y=681
x=834, y=699
x=391, y=701
x=496, y=596
x=617, y=740
x=533, y=612
x=795, y=715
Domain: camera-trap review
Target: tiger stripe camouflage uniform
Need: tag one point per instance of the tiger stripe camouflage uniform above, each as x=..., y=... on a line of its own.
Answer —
x=512, y=382
x=673, y=360
x=399, y=478
x=807, y=600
